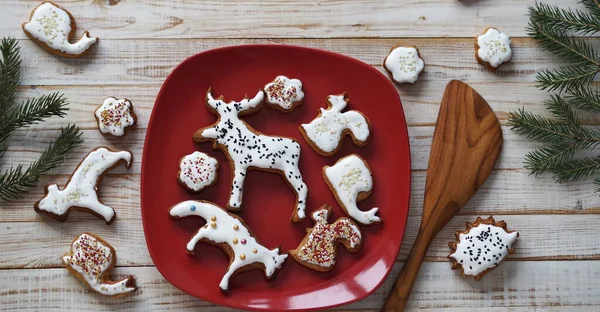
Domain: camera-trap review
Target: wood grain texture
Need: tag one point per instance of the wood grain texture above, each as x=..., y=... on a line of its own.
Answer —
x=280, y=18
x=530, y=286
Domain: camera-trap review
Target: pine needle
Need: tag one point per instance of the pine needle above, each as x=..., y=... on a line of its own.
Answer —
x=9, y=72
x=576, y=169
x=593, y=6
x=16, y=180
x=584, y=98
x=564, y=20
x=548, y=157
x=566, y=78
x=562, y=111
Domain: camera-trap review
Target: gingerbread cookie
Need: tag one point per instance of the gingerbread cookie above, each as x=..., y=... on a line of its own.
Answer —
x=404, y=64
x=197, y=171
x=80, y=191
x=284, y=94
x=351, y=181
x=247, y=148
x=481, y=247
x=51, y=27
x=318, y=249
x=91, y=259
x=229, y=232
x=115, y=116
x=324, y=133
x=492, y=48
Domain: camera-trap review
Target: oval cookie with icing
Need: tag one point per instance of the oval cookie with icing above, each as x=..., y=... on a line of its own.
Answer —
x=52, y=27
x=284, y=94
x=404, y=64
x=115, y=116
x=492, y=48
x=197, y=171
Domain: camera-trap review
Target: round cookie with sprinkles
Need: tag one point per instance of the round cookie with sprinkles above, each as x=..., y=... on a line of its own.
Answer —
x=284, y=94
x=481, y=247
x=492, y=48
x=318, y=249
x=197, y=171
x=404, y=64
x=91, y=260
x=115, y=116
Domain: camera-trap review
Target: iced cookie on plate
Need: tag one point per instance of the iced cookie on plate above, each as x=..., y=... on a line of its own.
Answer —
x=197, y=171
x=404, y=64
x=318, y=249
x=326, y=132
x=284, y=94
x=115, y=116
x=51, y=27
x=481, y=247
x=492, y=48
x=91, y=260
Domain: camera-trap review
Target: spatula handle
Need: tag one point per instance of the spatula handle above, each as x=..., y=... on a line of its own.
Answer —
x=398, y=297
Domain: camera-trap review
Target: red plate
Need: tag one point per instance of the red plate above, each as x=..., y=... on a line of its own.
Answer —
x=268, y=201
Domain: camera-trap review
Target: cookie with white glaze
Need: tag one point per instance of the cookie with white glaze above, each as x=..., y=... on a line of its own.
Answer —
x=481, y=247
x=52, y=27
x=91, y=259
x=318, y=249
x=114, y=116
x=80, y=192
x=326, y=132
x=404, y=64
x=231, y=233
x=246, y=148
x=284, y=94
x=492, y=48
x=351, y=181
x=197, y=171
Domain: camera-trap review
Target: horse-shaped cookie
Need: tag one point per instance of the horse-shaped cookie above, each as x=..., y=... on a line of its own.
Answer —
x=318, y=249
x=247, y=148
x=80, y=191
x=229, y=232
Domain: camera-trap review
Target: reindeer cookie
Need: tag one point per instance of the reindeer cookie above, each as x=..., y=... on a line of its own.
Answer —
x=91, y=259
x=51, y=27
x=351, y=181
x=318, y=249
x=284, y=94
x=247, y=148
x=115, y=116
x=229, y=232
x=325, y=132
x=197, y=171
x=80, y=191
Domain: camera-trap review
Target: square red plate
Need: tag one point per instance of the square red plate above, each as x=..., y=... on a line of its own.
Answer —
x=268, y=202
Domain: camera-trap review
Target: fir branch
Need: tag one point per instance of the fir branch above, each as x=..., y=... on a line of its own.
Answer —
x=573, y=50
x=562, y=111
x=576, y=169
x=15, y=180
x=548, y=157
x=564, y=20
x=33, y=111
x=584, y=98
x=10, y=65
x=592, y=5
x=566, y=78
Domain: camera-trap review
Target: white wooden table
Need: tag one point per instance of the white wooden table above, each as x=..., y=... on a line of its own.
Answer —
x=557, y=262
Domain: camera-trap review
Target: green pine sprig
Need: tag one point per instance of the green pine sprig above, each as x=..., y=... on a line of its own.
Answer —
x=15, y=181
x=560, y=31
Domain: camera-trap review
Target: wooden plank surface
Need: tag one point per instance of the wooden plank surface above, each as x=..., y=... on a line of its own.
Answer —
x=557, y=264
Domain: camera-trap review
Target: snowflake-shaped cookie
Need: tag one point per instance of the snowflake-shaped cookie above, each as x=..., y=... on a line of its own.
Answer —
x=404, y=64
x=493, y=48
x=197, y=171
x=114, y=116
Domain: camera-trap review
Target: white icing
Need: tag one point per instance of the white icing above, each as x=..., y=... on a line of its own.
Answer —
x=240, y=241
x=198, y=170
x=246, y=148
x=81, y=189
x=494, y=47
x=405, y=64
x=483, y=248
x=114, y=116
x=326, y=130
x=284, y=92
x=320, y=247
x=52, y=26
x=349, y=177
x=91, y=259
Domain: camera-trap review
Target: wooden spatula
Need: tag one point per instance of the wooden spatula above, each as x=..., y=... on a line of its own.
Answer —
x=466, y=143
